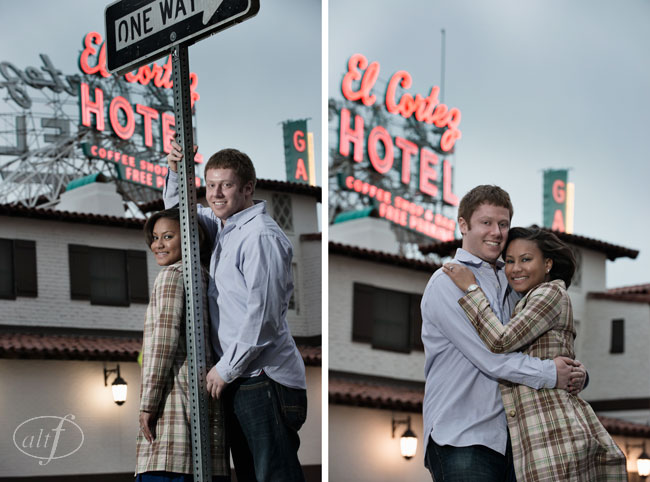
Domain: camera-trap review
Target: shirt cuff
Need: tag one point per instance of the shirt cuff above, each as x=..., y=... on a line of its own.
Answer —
x=549, y=374
x=225, y=372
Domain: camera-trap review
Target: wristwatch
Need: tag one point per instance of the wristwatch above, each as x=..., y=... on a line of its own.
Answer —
x=470, y=288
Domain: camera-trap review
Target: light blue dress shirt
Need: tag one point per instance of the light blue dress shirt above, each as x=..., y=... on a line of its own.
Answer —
x=462, y=402
x=248, y=294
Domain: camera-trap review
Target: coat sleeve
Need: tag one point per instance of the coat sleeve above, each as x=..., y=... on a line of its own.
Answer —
x=442, y=316
x=161, y=337
x=540, y=314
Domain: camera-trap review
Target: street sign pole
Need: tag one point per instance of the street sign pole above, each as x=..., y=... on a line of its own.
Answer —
x=139, y=32
x=194, y=332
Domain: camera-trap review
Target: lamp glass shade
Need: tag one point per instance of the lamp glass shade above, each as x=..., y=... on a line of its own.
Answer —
x=119, y=390
x=408, y=444
x=643, y=464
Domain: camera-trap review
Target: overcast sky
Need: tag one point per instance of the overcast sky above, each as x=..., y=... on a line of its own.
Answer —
x=540, y=84
x=251, y=77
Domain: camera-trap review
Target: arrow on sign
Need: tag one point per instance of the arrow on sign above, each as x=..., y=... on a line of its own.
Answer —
x=209, y=9
x=147, y=21
x=140, y=31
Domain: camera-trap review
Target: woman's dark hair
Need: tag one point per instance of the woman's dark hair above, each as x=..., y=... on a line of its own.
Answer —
x=564, y=262
x=174, y=214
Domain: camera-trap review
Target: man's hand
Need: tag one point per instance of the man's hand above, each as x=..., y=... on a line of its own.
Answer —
x=148, y=426
x=216, y=385
x=577, y=378
x=564, y=367
x=176, y=154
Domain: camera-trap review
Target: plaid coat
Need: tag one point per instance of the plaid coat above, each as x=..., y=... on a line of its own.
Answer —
x=165, y=384
x=555, y=436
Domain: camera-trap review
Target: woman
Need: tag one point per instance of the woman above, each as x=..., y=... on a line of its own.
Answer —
x=555, y=436
x=164, y=451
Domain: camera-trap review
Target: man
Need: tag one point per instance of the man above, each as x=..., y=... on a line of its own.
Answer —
x=260, y=375
x=464, y=420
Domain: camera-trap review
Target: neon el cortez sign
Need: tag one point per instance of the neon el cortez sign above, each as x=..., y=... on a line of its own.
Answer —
x=91, y=106
x=357, y=86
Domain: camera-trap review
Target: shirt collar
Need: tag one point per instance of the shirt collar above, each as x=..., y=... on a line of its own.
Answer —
x=242, y=217
x=469, y=258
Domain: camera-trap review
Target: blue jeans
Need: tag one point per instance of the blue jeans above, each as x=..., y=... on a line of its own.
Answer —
x=262, y=422
x=469, y=464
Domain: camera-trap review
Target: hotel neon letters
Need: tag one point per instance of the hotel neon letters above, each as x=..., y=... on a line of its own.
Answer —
x=428, y=110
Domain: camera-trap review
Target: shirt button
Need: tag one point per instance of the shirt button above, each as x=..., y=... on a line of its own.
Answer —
x=512, y=413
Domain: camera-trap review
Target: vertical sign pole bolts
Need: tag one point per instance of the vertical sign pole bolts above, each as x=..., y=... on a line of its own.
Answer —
x=139, y=32
x=196, y=339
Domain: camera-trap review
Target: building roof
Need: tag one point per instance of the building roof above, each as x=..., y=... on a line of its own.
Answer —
x=69, y=347
x=617, y=426
x=381, y=257
x=612, y=251
x=48, y=346
x=267, y=184
x=311, y=237
x=394, y=395
x=15, y=210
x=356, y=214
x=375, y=394
x=82, y=181
x=635, y=293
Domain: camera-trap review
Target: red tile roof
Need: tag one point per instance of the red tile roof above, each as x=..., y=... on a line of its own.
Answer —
x=311, y=355
x=266, y=184
x=635, y=293
x=397, y=396
x=69, y=347
x=374, y=394
x=381, y=257
x=92, y=347
x=311, y=237
x=612, y=251
x=617, y=426
x=15, y=210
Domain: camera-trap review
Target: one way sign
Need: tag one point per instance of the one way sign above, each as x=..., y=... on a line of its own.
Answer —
x=140, y=31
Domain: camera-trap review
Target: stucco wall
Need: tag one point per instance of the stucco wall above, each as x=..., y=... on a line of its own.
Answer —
x=346, y=355
x=617, y=375
x=53, y=306
x=361, y=447
x=36, y=388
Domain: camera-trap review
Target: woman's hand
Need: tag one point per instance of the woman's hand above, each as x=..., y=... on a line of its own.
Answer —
x=148, y=426
x=459, y=274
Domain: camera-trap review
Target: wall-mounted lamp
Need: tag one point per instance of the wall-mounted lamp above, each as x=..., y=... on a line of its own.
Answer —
x=408, y=441
x=642, y=461
x=118, y=385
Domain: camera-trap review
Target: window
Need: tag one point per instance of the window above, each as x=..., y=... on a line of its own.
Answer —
x=282, y=211
x=577, y=276
x=618, y=336
x=293, y=301
x=105, y=276
x=17, y=268
x=387, y=319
